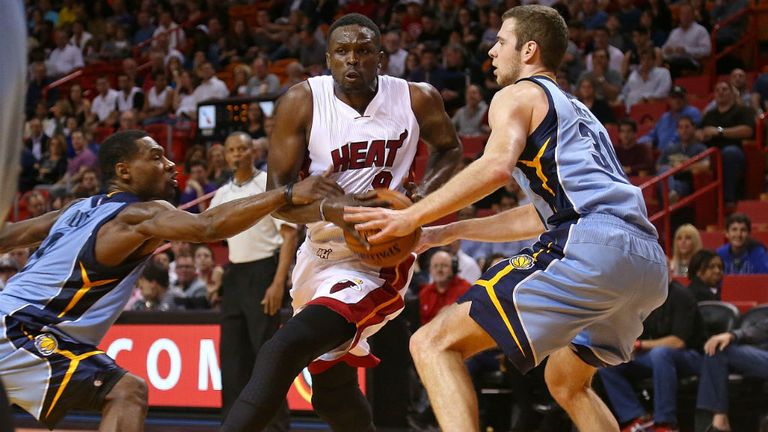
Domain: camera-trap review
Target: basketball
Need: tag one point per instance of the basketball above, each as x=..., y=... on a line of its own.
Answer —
x=395, y=249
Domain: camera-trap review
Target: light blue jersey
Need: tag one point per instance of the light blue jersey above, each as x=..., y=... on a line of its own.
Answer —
x=63, y=289
x=570, y=169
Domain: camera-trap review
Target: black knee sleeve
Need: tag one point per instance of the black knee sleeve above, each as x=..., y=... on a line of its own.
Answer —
x=314, y=331
x=337, y=399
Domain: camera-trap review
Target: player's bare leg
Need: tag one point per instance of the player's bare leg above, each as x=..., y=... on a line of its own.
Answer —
x=126, y=406
x=439, y=350
x=569, y=380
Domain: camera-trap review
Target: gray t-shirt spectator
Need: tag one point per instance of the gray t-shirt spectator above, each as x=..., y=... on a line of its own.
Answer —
x=469, y=122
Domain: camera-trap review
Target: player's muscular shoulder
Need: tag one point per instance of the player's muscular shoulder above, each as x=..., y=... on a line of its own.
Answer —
x=523, y=98
x=424, y=97
x=296, y=103
x=137, y=213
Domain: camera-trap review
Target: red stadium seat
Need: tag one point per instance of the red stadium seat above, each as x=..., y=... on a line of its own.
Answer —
x=712, y=240
x=750, y=288
x=473, y=144
x=755, y=209
x=754, y=174
x=696, y=85
x=643, y=112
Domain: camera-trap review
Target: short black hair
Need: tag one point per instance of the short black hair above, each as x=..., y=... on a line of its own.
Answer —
x=628, y=122
x=119, y=147
x=154, y=273
x=356, y=19
x=738, y=218
x=698, y=261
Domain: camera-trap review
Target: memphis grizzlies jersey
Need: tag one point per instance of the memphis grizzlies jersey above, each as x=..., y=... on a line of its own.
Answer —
x=570, y=169
x=63, y=289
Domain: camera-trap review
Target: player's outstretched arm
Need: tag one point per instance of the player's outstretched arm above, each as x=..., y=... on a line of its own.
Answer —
x=510, y=116
x=161, y=220
x=519, y=223
x=438, y=133
x=30, y=232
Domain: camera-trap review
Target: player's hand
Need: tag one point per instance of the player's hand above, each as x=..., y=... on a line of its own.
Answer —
x=315, y=188
x=333, y=210
x=412, y=190
x=431, y=237
x=717, y=343
x=392, y=223
x=273, y=298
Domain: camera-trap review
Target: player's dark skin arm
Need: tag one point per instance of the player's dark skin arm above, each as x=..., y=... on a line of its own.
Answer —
x=142, y=227
x=438, y=133
x=288, y=149
x=30, y=232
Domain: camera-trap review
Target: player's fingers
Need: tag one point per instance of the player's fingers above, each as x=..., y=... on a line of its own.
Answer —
x=351, y=230
x=380, y=236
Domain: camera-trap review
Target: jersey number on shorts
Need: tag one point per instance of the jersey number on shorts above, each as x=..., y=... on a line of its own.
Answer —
x=604, y=154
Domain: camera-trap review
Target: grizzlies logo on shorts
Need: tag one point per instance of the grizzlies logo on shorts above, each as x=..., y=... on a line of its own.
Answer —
x=588, y=285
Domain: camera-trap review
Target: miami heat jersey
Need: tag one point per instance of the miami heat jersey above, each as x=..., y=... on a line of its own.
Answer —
x=63, y=289
x=374, y=149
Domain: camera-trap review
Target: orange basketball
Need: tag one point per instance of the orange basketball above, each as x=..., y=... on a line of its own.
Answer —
x=393, y=250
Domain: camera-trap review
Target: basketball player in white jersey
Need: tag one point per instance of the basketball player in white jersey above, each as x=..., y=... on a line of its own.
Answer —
x=13, y=67
x=578, y=295
x=364, y=127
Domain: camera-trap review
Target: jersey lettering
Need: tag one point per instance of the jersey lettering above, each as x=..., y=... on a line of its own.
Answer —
x=366, y=154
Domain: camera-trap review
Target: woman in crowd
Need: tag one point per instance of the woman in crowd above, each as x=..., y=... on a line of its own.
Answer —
x=687, y=243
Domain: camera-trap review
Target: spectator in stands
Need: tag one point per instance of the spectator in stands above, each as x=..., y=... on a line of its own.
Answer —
x=8, y=268
x=81, y=106
x=184, y=103
x=468, y=268
x=83, y=160
x=255, y=125
x=469, y=120
x=239, y=39
x=37, y=143
x=263, y=83
x=60, y=197
x=104, y=105
x=89, y=185
x=629, y=15
x=742, y=254
x=159, y=100
x=127, y=120
x=197, y=186
x=647, y=83
x=686, y=147
x=600, y=108
x=445, y=288
x=641, y=39
x=429, y=70
x=667, y=349
x=592, y=17
x=218, y=170
x=760, y=93
x=311, y=49
x=241, y=74
x=211, y=87
x=53, y=165
x=687, y=242
x=129, y=97
x=153, y=286
x=607, y=82
x=64, y=58
x=724, y=127
x=35, y=87
x=664, y=132
x=706, y=275
x=636, y=159
x=188, y=290
x=166, y=26
x=743, y=351
x=397, y=55
x=56, y=123
x=600, y=42
x=295, y=75
x=688, y=44
x=209, y=272
x=37, y=204
x=616, y=37
x=145, y=29
x=738, y=79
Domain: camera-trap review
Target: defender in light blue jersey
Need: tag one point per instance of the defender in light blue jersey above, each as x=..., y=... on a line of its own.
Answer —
x=578, y=295
x=54, y=313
